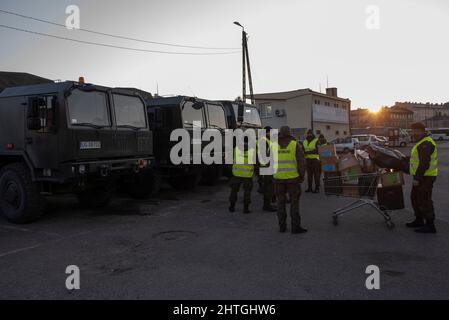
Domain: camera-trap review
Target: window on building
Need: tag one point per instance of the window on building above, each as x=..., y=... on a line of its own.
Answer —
x=336, y=105
x=328, y=127
x=327, y=104
x=266, y=110
x=345, y=133
x=337, y=132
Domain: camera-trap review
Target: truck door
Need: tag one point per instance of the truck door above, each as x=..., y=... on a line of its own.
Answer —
x=41, y=139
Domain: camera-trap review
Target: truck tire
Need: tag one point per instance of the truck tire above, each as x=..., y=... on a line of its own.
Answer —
x=20, y=200
x=95, y=198
x=144, y=186
x=185, y=182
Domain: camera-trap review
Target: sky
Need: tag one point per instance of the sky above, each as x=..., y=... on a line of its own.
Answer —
x=399, y=54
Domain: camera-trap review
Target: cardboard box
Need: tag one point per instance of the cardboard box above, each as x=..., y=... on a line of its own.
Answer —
x=327, y=151
x=391, y=198
x=329, y=164
x=347, y=161
x=351, y=175
x=392, y=179
x=350, y=190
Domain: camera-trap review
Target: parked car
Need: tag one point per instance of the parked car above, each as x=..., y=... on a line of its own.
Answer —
x=383, y=141
x=345, y=145
x=366, y=140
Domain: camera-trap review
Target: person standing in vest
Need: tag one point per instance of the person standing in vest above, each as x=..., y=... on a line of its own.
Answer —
x=424, y=169
x=267, y=180
x=289, y=172
x=312, y=162
x=243, y=172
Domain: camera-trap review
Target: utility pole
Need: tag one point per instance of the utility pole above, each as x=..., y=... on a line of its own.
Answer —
x=246, y=66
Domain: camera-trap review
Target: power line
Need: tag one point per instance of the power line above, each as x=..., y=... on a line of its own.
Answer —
x=114, y=46
x=113, y=35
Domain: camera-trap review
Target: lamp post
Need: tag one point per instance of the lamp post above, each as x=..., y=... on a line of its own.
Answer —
x=245, y=65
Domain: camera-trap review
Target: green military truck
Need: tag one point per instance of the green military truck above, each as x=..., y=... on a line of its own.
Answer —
x=69, y=137
x=180, y=112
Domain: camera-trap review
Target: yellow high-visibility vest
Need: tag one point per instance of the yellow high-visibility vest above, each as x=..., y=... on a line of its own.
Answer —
x=242, y=167
x=311, y=147
x=414, y=159
x=286, y=166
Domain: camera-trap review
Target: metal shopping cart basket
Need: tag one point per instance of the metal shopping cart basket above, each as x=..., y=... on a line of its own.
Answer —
x=360, y=187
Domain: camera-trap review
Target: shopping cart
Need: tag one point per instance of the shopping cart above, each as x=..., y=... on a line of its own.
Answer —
x=360, y=187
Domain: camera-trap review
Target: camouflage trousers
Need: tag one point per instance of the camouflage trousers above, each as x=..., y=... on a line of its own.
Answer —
x=294, y=191
x=235, y=184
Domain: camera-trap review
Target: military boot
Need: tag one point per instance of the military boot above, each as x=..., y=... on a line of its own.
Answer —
x=246, y=209
x=269, y=208
x=232, y=207
x=429, y=227
x=282, y=228
x=297, y=230
x=417, y=223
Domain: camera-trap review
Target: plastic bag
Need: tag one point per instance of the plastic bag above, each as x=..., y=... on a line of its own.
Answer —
x=390, y=159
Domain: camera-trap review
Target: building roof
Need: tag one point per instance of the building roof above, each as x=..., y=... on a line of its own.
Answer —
x=398, y=109
x=14, y=79
x=287, y=95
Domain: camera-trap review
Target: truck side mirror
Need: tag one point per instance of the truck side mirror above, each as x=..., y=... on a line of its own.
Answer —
x=198, y=105
x=240, y=113
x=34, y=112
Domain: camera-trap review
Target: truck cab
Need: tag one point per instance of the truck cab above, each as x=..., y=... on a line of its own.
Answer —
x=242, y=115
x=68, y=137
x=182, y=112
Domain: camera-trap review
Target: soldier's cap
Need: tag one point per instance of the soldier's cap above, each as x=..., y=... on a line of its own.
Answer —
x=284, y=132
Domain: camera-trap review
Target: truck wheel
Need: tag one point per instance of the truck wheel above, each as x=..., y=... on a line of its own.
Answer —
x=185, y=182
x=20, y=200
x=95, y=198
x=144, y=186
x=211, y=175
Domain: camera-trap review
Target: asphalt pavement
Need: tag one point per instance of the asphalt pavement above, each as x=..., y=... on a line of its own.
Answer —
x=186, y=245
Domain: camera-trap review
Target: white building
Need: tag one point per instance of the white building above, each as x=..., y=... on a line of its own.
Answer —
x=305, y=109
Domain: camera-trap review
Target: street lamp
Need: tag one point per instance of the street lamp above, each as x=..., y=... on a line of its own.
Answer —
x=245, y=65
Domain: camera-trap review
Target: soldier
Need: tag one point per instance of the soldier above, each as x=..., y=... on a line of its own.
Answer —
x=243, y=172
x=322, y=140
x=310, y=145
x=267, y=180
x=289, y=172
x=424, y=169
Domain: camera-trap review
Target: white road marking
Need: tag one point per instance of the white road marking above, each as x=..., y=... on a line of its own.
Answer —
x=2, y=255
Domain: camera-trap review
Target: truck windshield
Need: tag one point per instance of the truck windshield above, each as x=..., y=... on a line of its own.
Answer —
x=88, y=108
x=129, y=111
x=250, y=115
x=217, y=117
x=190, y=115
